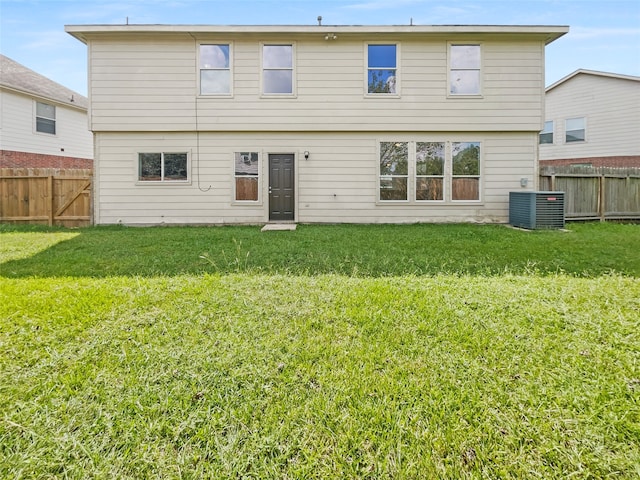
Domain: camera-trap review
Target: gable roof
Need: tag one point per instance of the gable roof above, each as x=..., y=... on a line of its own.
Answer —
x=22, y=79
x=582, y=71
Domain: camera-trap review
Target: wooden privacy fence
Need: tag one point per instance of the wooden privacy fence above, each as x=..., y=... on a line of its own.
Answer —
x=593, y=193
x=45, y=196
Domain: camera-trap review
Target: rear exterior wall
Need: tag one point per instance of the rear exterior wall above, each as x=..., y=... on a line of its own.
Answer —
x=150, y=83
x=338, y=183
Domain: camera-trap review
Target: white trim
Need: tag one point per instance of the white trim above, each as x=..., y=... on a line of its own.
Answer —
x=448, y=177
x=397, y=93
x=406, y=201
x=584, y=128
x=480, y=175
x=161, y=182
x=36, y=116
x=594, y=73
x=267, y=182
x=231, y=71
x=445, y=187
x=481, y=69
x=294, y=83
x=247, y=203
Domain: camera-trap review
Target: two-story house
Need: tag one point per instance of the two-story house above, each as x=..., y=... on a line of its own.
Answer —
x=42, y=123
x=252, y=124
x=592, y=118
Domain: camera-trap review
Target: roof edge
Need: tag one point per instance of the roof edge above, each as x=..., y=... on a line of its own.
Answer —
x=594, y=73
x=552, y=32
x=48, y=99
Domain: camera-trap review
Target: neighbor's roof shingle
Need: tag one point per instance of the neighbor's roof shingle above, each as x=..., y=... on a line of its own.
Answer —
x=18, y=77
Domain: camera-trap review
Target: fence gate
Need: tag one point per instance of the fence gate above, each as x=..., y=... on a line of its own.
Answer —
x=45, y=196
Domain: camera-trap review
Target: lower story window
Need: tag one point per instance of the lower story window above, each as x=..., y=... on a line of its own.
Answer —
x=394, y=171
x=162, y=167
x=247, y=175
x=429, y=171
x=465, y=178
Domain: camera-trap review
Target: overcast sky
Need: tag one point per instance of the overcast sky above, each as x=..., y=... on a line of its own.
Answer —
x=605, y=34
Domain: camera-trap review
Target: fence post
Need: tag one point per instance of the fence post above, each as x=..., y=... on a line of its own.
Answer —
x=601, y=202
x=50, y=187
x=553, y=183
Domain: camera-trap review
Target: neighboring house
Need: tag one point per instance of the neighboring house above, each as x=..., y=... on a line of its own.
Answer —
x=372, y=124
x=42, y=123
x=592, y=118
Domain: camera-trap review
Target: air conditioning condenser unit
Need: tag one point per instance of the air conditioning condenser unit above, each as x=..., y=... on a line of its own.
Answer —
x=536, y=210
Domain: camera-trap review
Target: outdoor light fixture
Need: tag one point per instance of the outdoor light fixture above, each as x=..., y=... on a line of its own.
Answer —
x=330, y=36
x=306, y=154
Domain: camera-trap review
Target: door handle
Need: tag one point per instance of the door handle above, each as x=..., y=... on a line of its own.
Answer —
x=269, y=190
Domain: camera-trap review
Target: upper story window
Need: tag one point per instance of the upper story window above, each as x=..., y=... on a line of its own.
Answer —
x=382, y=69
x=215, y=69
x=162, y=167
x=464, y=69
x=277, y=70
x=45, y=118
x=546, y=135
x=575, y=130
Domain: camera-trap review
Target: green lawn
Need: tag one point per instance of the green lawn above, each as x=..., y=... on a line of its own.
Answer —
x=417, y=351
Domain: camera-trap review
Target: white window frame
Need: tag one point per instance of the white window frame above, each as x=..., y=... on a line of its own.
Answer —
x=293, y=69
x=584, y=129
x=395, y=94
x=36, y=117
x=259, y=176
x=230, y=69
x=445, y=188
x=407, y=176
x=546, y=131
x=448, y=177
x=162, y=180
x=450, y=68
x=478, y=176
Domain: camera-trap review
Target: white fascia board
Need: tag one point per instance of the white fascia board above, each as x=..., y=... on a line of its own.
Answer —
x=550, y=33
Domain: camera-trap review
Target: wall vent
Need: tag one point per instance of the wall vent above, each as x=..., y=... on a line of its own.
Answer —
x=536, y=210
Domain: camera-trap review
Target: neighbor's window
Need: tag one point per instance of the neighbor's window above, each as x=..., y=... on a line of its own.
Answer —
x=215, y=69
x=546, y=135
x=464, y=75
x=574, y=130
x=394, y=170
x=45, y=118
x=465, y=174
x=430, y=158
x=382, y=69
x=162, y=167
x=277, y=69
x=247, y=174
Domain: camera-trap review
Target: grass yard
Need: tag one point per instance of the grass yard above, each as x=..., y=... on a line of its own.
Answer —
x=417, y=351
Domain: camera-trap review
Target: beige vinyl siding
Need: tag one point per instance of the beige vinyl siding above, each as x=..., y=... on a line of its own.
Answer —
x=19, y=129
x=610, y=108
x=149, y=83
x=338, y=183
x=146, y=83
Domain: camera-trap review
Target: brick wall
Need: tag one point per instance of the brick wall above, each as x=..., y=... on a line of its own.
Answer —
x=11, y=159
x=617, y=162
